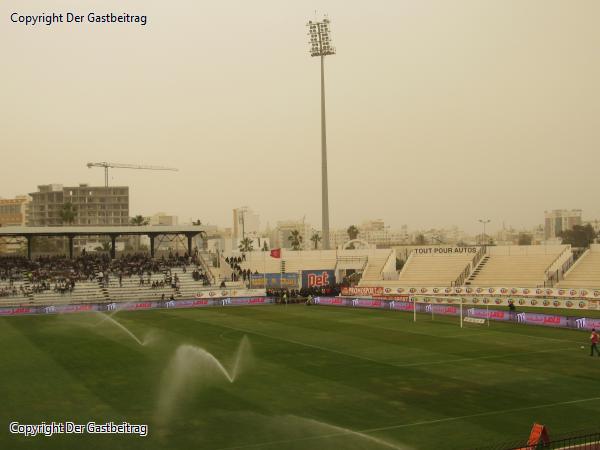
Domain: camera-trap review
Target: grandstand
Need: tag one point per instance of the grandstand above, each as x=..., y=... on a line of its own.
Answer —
x=585, y=272
x=523, y=266
x=519, y=266
x=428, y=266
x=515, y=266
x=433, y=270
x=92, y=279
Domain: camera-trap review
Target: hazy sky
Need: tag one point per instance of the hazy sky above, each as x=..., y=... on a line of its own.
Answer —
x=439, y=112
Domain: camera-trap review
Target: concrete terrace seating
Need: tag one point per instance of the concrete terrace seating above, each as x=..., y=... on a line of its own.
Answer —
x=93, y=292
x=85, y=271
x=433, y=270
x=19, y=298
x=84, y=292
x=188, y=287
x=585, y=273
x=133, y=291
x=523, y=266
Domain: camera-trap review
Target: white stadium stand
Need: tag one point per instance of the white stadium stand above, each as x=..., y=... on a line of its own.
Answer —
x=585, y=272
x=519, y=266
x=522, y=266
x=433, y=270
x=96, y=292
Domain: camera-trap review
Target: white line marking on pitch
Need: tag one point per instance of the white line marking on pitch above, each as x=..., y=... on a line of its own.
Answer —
x=291, y=341
x=414, y=424
x=483, y=414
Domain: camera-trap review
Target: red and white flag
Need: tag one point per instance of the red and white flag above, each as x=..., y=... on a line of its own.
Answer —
x=276, y=253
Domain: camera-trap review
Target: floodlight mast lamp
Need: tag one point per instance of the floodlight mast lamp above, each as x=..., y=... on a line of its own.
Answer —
x=484, y=222
x=320, y=45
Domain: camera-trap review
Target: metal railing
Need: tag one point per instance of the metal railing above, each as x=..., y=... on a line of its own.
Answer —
x=206, y=268
x=462, y=277
x=472, y=265
x=480, y=254
x=550, y=270
x=572, y=441
x=553, y=276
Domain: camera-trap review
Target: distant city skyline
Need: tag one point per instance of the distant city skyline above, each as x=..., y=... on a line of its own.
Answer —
x=245, y=217
x=439, y=113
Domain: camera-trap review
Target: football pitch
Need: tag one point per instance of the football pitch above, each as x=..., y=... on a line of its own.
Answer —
x=291, y=377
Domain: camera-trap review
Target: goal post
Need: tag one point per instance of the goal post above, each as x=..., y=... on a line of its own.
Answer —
x=446, y=306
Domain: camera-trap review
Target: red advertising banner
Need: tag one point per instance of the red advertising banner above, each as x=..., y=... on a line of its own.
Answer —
x=366, y=291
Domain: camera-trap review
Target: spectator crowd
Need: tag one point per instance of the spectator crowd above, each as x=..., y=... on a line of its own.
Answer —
x=60, y=274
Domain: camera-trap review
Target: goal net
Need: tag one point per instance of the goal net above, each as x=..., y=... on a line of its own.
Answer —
x=449, y=309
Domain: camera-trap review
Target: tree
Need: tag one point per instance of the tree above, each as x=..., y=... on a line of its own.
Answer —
x=265, y=247
x=399, y=263
x=525, y=239
x=352, y=232
x=246, y=245
x=420, y=239
x=579, y=236
x=139, y=221
x=68, y=213
x=316, y=238
x=296, y=240
x=105, y=247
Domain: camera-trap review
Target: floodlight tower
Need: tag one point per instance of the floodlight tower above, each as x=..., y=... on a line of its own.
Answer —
x=484, y=222
x=320, y=45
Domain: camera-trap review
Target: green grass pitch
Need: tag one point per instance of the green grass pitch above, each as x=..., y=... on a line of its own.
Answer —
x=310, y=378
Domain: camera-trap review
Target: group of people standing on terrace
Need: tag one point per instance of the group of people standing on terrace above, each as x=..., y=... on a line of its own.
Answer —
x=237, y=272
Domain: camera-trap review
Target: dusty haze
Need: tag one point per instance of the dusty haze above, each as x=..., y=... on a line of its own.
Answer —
x=438, y=112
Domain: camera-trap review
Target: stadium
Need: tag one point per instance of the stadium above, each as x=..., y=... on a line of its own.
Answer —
x=437, y=309
x=432, y=353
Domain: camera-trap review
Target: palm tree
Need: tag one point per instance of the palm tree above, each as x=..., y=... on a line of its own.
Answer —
x=316, y=238
x=296, y=239
x=105, y=247
x=68, y=213
x=139, y=220
x=246, y=245
x=352, y=232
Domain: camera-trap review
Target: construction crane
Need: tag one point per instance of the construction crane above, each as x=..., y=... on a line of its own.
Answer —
x=106, y=166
